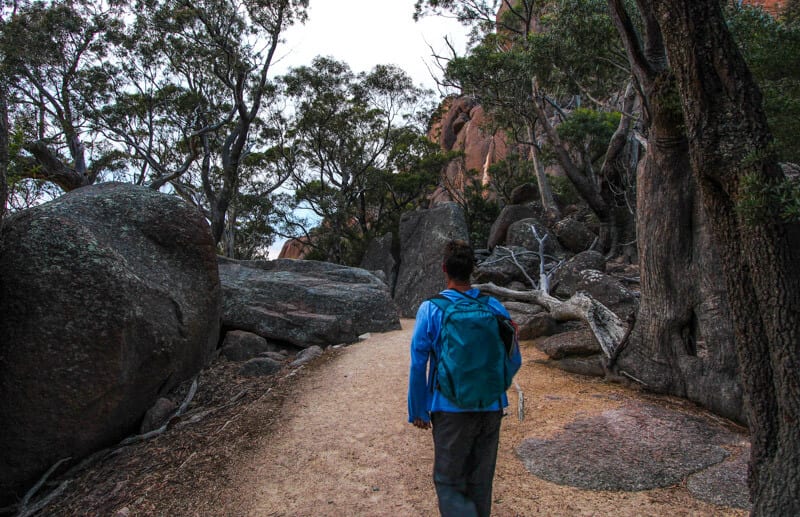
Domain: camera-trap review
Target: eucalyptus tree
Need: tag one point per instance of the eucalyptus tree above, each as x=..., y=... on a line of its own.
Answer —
x=50, y=54
x=348, y=134
x=192, y=80
x=740, y=181
x=536, y=57
x=771, y=47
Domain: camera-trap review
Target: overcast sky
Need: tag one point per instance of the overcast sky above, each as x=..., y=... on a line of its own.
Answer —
x=365, y=33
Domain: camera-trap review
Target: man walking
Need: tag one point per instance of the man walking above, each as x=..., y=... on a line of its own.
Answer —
x=464, y=404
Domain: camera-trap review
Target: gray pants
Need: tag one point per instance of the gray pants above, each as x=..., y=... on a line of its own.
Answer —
x=465, y=454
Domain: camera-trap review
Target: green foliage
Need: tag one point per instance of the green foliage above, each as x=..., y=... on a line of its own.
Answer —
x=508, y=174
x=564, y=190
x=580, y=50
x=480, y=210
x=589, y=130
x=760, y=200
x=771, y=48
x=255, y=229
x=49, y=54
x=360, y=154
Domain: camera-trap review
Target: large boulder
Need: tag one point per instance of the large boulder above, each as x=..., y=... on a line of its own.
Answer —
x=567, y=277
x=304, y=302
x=109, y=298
x=574, y=235
x=379, y=257
x=509, y=215
x=525, y=193
x=507, y=265
x=423, y=235
x=520, y=234
x=609, y=291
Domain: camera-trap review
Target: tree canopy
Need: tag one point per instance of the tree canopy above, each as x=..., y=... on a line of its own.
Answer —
x=348, y=136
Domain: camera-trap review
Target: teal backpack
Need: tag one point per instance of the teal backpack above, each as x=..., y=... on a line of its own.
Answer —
x=473, y=367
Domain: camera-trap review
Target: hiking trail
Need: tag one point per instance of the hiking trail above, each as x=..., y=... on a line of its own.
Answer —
x=342, y=446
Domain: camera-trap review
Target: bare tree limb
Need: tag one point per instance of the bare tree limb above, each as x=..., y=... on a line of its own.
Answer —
x=607, y=327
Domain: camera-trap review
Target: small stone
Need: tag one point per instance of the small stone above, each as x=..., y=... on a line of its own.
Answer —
x=260, y=366
x=307, y=355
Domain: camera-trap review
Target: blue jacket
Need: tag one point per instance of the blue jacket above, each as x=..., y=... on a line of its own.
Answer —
x=422, y=399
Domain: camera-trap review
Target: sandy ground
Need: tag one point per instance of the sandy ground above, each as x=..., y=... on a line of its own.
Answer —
x=342, y=446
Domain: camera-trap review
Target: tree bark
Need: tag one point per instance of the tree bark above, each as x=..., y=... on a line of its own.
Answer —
x=53, y=169
x=682, y=341
x=729, y=141
x=4, y=128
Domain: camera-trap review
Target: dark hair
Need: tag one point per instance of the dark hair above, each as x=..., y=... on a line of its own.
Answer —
x=459, y=260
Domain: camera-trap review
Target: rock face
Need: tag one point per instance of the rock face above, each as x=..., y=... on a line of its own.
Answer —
x=423, y=235
x=304, y=302
x=520, y=234
x=379, y=257
x=501, y=267
x=295, y=249
x=460, y=129
x=574, y=235
x=509, y=215
x=109, y=297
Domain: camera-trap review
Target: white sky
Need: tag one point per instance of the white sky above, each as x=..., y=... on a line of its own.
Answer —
x=365, y=33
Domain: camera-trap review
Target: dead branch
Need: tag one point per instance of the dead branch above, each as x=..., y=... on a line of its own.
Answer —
x=181, y=410
x=519, y=266
x=23, y=505
x=27, y=512
x=520, y=402
x=607, y=327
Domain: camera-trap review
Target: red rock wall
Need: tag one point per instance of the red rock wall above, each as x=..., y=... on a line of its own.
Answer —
x=460, y=128
x=295, y=249
x=773, y=6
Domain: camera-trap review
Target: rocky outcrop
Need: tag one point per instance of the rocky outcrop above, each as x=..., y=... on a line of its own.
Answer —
x=298, y=248
x=509, y=215
x=460, y=128
x=506, y=265
x=520, y=233
x=379, y=257
x=574, y=235
x=304, y=302
x=109, y=297
x=423, y=235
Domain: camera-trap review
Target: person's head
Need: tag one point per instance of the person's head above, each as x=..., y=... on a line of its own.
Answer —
x=459, y=260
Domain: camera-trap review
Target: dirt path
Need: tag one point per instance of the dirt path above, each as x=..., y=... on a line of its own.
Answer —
x=343, y=446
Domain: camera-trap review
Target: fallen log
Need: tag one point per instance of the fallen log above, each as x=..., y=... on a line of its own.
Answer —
x=607, y=327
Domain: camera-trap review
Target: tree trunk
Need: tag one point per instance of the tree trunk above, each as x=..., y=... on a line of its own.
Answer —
x=545, y=192
x=607, y=328
x=614, y=174
x=4, y=128
x=682, y=341
x=729, y=143
x=53, y=169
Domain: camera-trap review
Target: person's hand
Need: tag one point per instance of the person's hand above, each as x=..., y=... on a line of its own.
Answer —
x=418, y=422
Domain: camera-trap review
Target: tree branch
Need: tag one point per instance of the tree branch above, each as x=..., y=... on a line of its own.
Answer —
x=607, y=327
